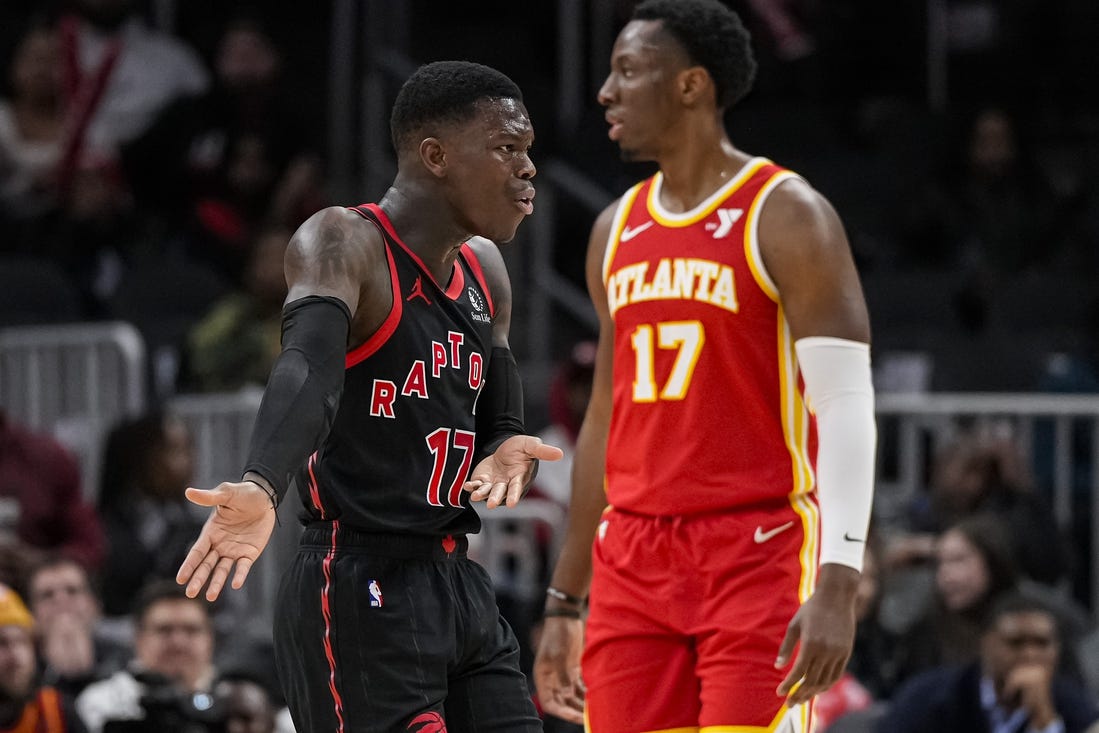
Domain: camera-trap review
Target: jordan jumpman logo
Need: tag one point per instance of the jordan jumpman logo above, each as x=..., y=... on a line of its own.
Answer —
x=418, y=291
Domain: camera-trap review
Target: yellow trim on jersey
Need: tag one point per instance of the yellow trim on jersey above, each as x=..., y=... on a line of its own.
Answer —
x=795, y=430
x=795, y=416
x=751, y=235
x=709, y=206
x=625, y=205
x=810, y=548
x=779, y=719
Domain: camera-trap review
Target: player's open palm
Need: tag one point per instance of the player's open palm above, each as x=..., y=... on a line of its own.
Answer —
x=501, y=477
x=235, y=534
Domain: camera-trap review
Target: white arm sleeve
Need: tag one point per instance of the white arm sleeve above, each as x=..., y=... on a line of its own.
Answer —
x=839, y=391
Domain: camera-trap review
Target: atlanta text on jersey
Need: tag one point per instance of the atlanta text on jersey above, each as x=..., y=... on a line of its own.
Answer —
x=678, y=278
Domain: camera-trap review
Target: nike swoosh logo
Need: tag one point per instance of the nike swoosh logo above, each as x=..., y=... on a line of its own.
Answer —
x=628, y=234
x=761, y=536
x=849, y=538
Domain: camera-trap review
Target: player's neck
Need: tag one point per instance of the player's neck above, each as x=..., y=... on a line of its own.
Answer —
x=422, y=227
x=695, y=171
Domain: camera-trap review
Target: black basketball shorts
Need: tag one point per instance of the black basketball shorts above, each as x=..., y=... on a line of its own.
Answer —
x=395, y=633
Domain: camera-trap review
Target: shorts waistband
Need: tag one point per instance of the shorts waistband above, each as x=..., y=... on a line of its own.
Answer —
x=762, y=505
x=319, y=536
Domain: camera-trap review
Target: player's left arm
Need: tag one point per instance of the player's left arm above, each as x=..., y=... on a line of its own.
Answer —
x=507, y=458
x=806, y=253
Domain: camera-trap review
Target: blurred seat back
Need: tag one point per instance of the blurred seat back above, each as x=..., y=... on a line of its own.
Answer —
x=164, y=299
x=34, y=291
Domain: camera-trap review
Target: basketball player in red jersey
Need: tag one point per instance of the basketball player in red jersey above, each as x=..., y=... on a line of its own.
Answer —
x=723, y=478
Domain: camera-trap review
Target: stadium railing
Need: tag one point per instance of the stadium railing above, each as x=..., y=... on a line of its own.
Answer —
x=74, y=381
x=1057, y=434
x=221, y=427
x=518, y=546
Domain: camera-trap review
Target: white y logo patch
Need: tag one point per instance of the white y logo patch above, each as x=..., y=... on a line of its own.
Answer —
x=726, y=218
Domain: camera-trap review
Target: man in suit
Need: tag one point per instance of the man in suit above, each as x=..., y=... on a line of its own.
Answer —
x=1013, y=688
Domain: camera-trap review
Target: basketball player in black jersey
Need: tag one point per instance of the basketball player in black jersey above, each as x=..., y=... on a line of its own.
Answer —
x=394, y=381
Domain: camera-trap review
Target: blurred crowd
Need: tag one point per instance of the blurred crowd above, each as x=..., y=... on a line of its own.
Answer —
x=959, y=148
x=153, y=179
x=140, y=182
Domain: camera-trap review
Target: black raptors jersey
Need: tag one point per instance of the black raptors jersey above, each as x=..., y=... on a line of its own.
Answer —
x=402, y=442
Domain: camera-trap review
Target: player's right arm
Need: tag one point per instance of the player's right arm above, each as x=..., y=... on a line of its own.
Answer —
x=557, y=666
x=331, y=264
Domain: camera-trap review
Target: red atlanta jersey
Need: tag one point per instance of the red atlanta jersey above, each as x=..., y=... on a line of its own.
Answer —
x=708, y=408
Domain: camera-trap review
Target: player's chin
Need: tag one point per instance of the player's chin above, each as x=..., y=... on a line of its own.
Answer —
x=632, y=154
x=637, y=149
x=506, y=233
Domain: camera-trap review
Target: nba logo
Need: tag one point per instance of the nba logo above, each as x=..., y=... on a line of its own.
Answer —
x=375, y=594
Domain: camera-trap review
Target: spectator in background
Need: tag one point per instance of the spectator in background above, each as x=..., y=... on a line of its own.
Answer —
x=974, y=568
x=147, y=464
x=1012, y=686
x=119, y=76
x=26, y=706
x=984, y=470
x=72, y=652
x=236, y=160
x=247, y=703
x=31, y=120
x=173, y=658
x=569, y=393
x=42, y=508
x=992, y=209
x=237, y=342
x=96, y=234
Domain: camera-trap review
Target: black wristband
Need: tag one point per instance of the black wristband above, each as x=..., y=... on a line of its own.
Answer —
x=561, y=612
x=271, y=493
x=563, y=596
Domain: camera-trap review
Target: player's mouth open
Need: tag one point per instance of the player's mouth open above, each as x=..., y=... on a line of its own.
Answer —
x=525, y=201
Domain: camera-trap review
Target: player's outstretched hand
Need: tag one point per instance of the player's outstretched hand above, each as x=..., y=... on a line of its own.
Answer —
x=557, y=669
x=235, y=533
x=502, y=477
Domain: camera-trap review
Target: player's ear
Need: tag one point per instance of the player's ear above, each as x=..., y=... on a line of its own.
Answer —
x=433, y=155
x=695, y=86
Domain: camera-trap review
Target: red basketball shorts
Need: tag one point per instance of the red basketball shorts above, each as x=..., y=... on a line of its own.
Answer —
x=687, y=615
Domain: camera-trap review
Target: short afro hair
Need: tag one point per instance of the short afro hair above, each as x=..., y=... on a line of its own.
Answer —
x=445, y=92
x=1017, y=601
x=714, y=37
